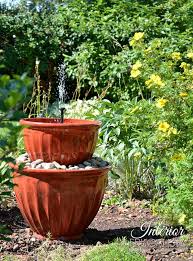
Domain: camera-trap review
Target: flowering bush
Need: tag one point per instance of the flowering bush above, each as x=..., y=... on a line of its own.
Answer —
x=166, y=80
x=149, y=139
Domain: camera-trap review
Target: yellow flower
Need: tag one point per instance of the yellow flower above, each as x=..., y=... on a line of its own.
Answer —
x=190, y=55
x=182, y=219
x=135, y=73
x=172, y=131
x=137, y=154
x=161, y=103
x=183, y=94
x=132, y=42
x=148, y=82
x=137, y=65
x=176, y=56
x=138, y=36
x=163, y=126
x=185, y=66
x=154, y=80
x=177, y=156
x=148, y=50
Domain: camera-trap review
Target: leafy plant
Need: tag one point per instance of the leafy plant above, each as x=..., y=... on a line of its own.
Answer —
x=57, y=254
x=118, y=250
x=39, y=102
x=93, y=38
x=12, y=93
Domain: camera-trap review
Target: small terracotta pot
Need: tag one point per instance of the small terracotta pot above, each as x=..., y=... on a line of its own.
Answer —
x=70, y=142
x=60, y=202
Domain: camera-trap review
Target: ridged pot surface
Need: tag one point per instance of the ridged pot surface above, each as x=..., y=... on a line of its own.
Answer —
x=70, y=142
x=60, y=202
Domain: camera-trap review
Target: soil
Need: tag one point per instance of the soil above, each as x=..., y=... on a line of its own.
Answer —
x=110, y=223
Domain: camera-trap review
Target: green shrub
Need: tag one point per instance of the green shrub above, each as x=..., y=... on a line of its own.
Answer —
x=12, y=93
x=116, y=251
x=93, y=38
x=168, y=77
x=57, y=254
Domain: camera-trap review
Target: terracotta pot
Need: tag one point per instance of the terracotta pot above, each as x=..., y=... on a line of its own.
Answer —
x=70, y=142
x=61, y=202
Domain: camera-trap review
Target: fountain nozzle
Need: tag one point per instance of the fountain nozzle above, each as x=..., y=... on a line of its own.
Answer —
x=62, y=114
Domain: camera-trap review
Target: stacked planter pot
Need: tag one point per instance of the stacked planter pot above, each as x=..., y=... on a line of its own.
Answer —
x=60, y=201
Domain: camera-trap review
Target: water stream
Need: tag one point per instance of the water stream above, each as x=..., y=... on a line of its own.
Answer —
x=62, y=89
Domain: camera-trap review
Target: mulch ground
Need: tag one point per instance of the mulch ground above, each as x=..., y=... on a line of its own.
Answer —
x=110, y=223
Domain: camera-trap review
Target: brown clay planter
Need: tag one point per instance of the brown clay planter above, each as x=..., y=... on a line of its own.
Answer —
x=70, y=142
x=61, y=202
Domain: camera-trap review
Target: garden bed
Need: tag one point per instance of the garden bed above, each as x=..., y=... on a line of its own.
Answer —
x=110, y=223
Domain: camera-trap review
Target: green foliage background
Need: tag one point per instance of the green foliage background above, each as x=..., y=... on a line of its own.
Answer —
x=92, y=37
x=13, y=91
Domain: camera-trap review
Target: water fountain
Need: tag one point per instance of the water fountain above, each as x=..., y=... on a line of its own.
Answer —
x=60, y=189
x=62, y=89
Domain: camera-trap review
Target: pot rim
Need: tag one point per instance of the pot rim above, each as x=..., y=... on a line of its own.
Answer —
x=67, y=172
x=54, y=122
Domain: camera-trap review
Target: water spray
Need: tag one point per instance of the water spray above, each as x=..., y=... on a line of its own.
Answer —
x=62, y=89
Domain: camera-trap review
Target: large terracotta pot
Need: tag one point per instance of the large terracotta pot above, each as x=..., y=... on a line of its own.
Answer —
x=70, y=142
x=61, y=202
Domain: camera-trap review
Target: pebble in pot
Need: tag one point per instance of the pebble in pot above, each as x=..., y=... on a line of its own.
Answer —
x=94, y=162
